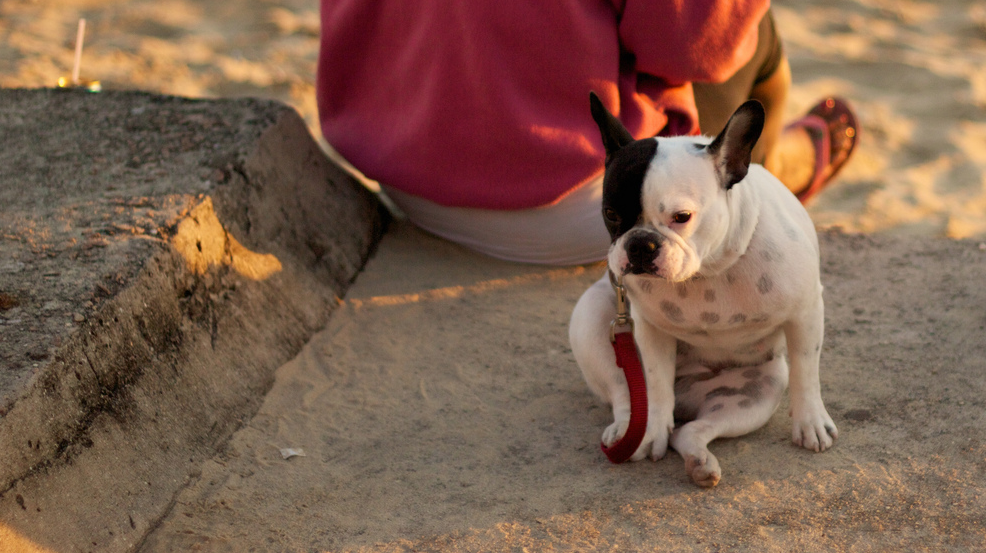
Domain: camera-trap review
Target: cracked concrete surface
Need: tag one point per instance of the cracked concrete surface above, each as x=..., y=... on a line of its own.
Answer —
x=159, y=258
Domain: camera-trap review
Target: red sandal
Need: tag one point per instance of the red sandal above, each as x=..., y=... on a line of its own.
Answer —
x=834, y=131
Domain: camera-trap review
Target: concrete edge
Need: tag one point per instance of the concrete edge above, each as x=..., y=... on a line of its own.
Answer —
x=165, y=371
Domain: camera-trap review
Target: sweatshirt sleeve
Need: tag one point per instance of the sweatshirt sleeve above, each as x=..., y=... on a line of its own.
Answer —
x=683, y=41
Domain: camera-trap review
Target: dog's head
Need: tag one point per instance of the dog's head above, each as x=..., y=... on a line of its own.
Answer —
x=666, y=200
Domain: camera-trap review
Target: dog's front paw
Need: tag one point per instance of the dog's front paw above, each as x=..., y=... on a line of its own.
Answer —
x=813, y=428
x=615, y=431
x=654, y=443
x=658, y=435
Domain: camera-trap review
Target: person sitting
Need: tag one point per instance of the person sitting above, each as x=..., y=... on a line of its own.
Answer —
x=474, y=116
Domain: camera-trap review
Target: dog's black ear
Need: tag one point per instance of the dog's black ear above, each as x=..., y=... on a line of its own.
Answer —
x=731, y=150
x=615, y=135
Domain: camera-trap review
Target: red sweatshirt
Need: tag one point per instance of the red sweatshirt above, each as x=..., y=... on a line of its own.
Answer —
x=485, y=103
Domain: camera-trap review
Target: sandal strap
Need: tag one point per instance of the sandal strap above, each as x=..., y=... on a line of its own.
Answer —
x=818, y=130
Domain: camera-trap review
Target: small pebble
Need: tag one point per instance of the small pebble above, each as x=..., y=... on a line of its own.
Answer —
x=289, y=452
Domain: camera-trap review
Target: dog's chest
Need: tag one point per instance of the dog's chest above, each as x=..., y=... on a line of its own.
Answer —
x=749, y=299
x=702, y=307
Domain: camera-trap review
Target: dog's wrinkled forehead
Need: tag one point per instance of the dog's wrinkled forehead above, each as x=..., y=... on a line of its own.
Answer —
x=623, y=183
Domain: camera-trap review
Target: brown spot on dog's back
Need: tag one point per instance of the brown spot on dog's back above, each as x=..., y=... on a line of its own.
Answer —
x=770, y=252
x=682, y=292
x=710, y=296
x=737, y=319
x=765, y=284
x=789, y=230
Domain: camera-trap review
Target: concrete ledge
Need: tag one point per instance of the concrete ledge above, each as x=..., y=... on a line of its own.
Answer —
x=159, y=258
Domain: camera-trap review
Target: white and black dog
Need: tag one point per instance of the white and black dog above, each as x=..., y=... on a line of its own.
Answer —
x=721, y=266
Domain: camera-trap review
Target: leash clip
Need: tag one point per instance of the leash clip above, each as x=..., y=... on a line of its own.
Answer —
x=623, y=318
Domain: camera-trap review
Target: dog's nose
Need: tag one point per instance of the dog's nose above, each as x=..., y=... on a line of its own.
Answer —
x=639, y=245
x=641, y=251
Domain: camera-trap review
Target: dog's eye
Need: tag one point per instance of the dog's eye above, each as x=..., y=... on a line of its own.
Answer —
x=610, y=215
x=681, y=217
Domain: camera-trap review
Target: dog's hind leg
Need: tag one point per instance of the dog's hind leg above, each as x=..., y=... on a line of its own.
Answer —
x=736, y=402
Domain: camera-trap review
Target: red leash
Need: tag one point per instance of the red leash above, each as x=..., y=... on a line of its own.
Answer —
x=628, y=360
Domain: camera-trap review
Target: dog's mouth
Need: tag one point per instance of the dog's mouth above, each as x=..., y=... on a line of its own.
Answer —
x=639, y=269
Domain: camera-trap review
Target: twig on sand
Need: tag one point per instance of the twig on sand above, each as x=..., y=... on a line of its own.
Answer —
x=76, y=81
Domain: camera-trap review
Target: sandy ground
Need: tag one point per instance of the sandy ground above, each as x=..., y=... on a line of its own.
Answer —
x=183, y=47
x=441, y=408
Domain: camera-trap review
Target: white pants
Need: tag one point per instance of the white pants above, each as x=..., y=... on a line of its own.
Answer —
x=570, y=232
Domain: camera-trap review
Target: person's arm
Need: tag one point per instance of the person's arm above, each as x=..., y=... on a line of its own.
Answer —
x=683, y=41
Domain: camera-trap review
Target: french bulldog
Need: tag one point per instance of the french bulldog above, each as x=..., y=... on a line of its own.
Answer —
x=721, y=268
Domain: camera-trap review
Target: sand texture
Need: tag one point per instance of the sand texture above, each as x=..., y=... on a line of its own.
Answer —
x=441, y=410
